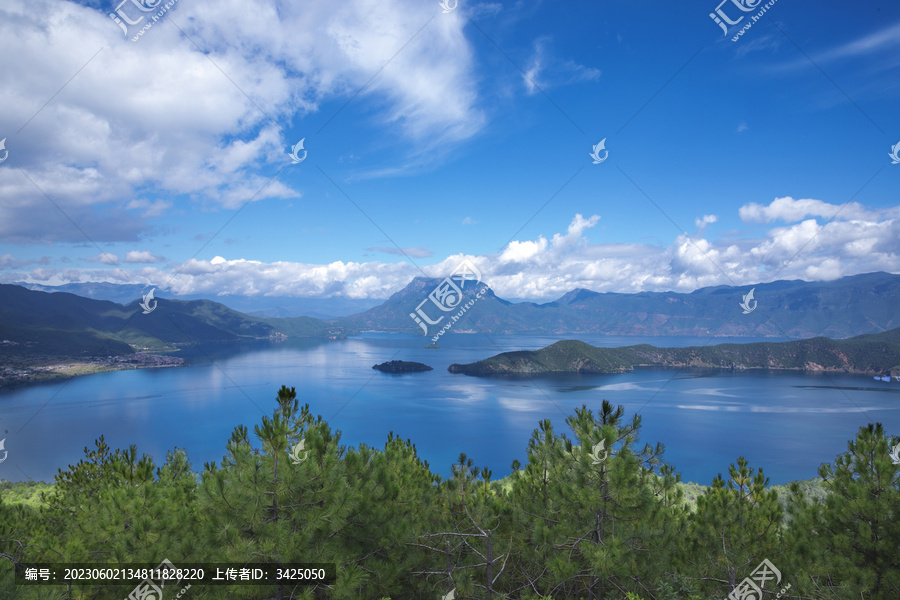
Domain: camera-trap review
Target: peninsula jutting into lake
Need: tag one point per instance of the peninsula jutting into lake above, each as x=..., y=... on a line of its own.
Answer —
x=872, y=354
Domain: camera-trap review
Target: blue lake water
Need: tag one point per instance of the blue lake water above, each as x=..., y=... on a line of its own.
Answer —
x=786, y=423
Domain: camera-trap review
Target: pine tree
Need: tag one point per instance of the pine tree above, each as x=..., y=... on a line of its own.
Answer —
x=110, y=509
x=598, y=508
x=19, y=526
x=735, y=527
x=470, y=546
x=847, y=546
x=588, y=517
x=318, y=503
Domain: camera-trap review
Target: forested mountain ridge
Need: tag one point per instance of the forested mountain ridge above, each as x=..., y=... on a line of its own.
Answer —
x=594, y=514
x=843, y=308
x=65, y=325
x=258, y=305
x=41, y=328
x=871, y=354
x=837, y=309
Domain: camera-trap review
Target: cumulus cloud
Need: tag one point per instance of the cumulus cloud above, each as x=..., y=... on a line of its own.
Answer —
x=543, y=268
x=705, y=220
x=142, y=256
x=221, y=276
x=575, y=232
x=137, y=128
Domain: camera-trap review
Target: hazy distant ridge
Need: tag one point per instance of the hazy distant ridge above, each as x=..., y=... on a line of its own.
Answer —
x=838, y=309
x=63, y=324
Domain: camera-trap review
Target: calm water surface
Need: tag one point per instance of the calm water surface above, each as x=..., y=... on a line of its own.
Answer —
x=785, y=423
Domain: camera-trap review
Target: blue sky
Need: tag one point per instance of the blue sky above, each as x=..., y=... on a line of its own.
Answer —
x=432, y=136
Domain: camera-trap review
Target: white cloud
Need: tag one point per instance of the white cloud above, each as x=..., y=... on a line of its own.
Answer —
x=8, y=261
x=575, y=232
x=545, y=71
x=141, y=256
x=876, y=42
x=874, y=58
x=543, y=269
x=790, y=210
x=485, y=9
x=196, y=122
x=107, y=258
x=532, y=74
x=705, y=220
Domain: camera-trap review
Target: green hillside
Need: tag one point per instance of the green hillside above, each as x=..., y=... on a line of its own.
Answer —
x=874, y=354
x=38, y=326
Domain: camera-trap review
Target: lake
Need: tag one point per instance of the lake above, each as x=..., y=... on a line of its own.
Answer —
x=786, y=423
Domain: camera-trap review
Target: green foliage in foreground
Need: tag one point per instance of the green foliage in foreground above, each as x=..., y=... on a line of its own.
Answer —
x=592, y=515
x=25, y=492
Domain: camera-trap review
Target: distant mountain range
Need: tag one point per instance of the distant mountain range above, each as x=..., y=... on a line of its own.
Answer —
x=842, y=308
x=266, y=306
x=65, y=324
x=872, y=354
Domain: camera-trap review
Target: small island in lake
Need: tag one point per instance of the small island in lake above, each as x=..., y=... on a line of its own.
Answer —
x=402, y=366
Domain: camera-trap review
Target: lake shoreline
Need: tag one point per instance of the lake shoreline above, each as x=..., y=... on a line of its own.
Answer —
x=873, y=355
x=784, y=421
x=61, y=369
x=682, y=368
